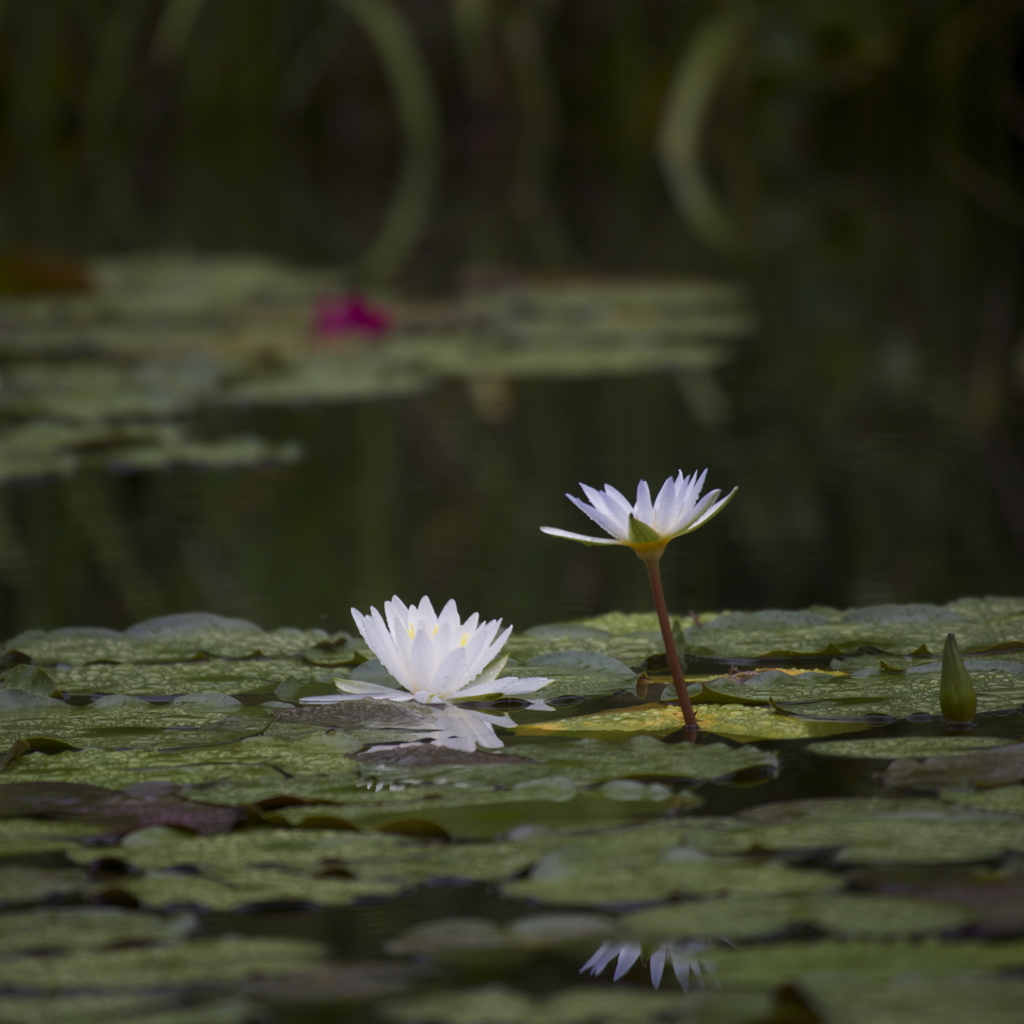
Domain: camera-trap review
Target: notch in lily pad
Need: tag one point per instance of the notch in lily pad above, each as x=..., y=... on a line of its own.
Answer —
x=956, y=691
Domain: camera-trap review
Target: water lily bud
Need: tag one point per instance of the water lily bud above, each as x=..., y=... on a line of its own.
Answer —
x=956, y=691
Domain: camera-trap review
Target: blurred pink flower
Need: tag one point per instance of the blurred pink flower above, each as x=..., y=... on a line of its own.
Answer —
x=349, y=314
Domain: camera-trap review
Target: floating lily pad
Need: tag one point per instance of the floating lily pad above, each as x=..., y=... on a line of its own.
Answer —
x=992, y=767
x=564, y=878
x=744, y=724
x=840, y=915
x=262, y=676
x=53, y=929
x=785, y=962
x=857, y=831
x=898, y=629
x=624, y=1004
x=217, y=961
x=102, y=1009
x=891, y=747
x=170, y=638
x=593, y=760
x=23, y=884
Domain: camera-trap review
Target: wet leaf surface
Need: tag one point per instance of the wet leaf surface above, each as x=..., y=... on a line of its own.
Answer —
x=199, y=788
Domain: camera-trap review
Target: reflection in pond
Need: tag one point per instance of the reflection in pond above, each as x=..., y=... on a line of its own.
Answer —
x=684, y=958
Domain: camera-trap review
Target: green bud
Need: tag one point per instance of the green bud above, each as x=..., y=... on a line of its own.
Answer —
x=641, y=533
x=956, y=691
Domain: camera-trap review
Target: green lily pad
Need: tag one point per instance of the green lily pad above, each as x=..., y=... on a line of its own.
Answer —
x=262, y=676
x=594, y=760
x=102, y=1009
x=22, y=884
x=624, y=1004
x=217, y=961
x=52, y=929
x=1001, y=800
x=864, y=831
x=899, y=629
x=891, y=747
x=840, y=915
x=136, y=725
x=170, y=638
x=895, y=694
x=565, y=878
x=29, y=679
x=786, y=962
x=737, y=722
x=21, y=837
x=996, y=766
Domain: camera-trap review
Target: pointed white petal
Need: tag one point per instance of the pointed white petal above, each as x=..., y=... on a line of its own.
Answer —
x=630, y=954
x=608, y=523
x=581, y=538
x=603, y=956
x=643, y=509
x=658, y=964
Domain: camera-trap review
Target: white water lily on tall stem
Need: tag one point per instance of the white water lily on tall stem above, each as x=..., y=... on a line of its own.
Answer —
x=436, y=658
x=647, y=526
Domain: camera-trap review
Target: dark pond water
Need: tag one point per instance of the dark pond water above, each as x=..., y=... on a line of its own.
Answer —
x=433, y=494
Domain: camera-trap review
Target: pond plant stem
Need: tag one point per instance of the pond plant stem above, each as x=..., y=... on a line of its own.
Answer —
x=675, y=667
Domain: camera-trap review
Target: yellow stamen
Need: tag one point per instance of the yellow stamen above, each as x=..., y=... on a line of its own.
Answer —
x=464, y=640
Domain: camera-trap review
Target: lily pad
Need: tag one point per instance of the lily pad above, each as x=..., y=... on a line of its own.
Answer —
x=891, y=747
x=262, y=676
x=991, y=767
x=840, y=915
x=218, y=961
x=745, y=724
x=625, y=1004
x=53, y=929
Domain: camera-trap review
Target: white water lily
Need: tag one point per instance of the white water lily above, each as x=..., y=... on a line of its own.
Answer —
x=436, y=658
x=683, y=957
x=647, y=525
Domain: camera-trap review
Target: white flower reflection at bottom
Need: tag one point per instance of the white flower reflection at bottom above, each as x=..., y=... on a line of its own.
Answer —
x=683, y=957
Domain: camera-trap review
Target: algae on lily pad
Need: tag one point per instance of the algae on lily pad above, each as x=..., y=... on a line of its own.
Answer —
x=891, y=747
x=978, y=623
x=181, y=637
x=737, y=722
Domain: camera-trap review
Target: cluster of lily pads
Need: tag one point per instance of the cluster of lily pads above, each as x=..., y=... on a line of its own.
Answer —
x=169, y=792
x=194, y=766
x=112, y=377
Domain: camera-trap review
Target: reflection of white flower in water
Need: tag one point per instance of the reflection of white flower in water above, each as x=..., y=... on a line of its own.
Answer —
x=465, y=729
x=435, y=657
x=647, y=526
x=683, y=957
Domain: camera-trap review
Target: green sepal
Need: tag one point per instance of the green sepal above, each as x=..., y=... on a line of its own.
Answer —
x=641, y=533
x=956, y=691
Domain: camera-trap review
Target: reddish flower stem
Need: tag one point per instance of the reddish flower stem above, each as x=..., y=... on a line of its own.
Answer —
x=654, y=575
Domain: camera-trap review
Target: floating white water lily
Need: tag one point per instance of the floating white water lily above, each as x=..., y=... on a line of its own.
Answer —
x=647, y=526
x=436, y=658
x=683, y=957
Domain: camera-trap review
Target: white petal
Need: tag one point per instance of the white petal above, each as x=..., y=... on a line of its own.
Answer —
x=602, y=957
x=609, y=523
x=582, y=538
x=658, y=964
x=630, y=954
x=643, y=509
x=356, y=686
